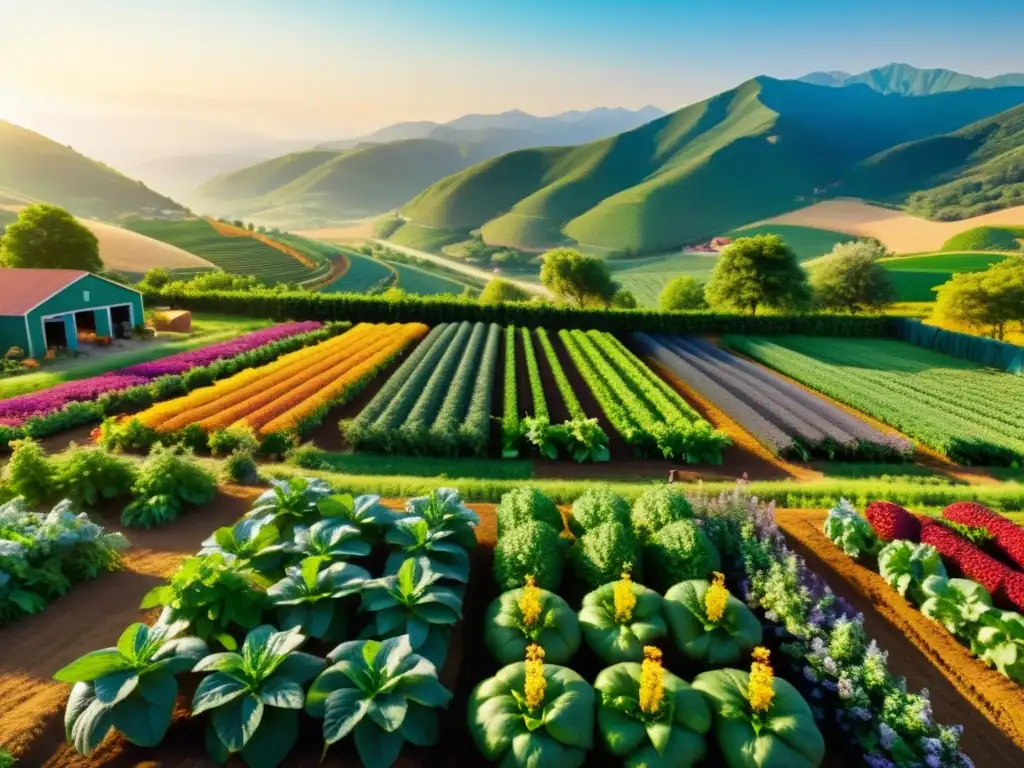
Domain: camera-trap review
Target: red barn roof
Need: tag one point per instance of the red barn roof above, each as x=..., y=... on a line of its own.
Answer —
x=22, y=290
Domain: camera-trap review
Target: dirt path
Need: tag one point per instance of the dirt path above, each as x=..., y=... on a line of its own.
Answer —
x=963, y=690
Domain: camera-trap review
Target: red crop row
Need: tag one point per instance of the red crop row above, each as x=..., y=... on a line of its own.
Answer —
x=1008, y=537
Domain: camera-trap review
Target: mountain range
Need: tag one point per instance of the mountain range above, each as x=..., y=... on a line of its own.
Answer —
x=906, y=80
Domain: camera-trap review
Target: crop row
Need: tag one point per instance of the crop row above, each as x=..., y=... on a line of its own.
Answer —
x=970, y=414
x=784, y=417
x=645, y=411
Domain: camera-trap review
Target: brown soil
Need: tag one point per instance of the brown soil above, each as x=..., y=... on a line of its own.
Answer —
x=963, y=690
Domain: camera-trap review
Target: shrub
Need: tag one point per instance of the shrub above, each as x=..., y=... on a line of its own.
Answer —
x=29, y=473
x=678, y=552
x=601, y=554
x=521, y=505
x=891, y=521
x=531, y=549
x=656, y=508
x=167, y=481
x=226, y=441
x=596, y=507
x=90, y=475
x=241, y=468
x=905, y=565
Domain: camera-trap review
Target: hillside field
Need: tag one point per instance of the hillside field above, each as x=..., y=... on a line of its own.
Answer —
x=987, y=239
x=424, y=282
x=915, y=277
x=424, y=238
x=646, y=277
x=807, y=242
x=363, y=273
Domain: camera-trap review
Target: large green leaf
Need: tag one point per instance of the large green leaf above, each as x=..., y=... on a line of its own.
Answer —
x=237, y=721
x=144, y=719
x=301, y=667
x=622, y=733
x=90, y=723
x=343, y=710
x=115, y=687
x=717, y=644
x=283, y=693
x=421, y=726
x=216, y=690
x=387, y=711
x=133, y=641
x=273, y=740
x=330, y=680
x=92, y=666
x=377, y=748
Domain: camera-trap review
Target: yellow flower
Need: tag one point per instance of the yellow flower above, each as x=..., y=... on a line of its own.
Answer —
x=715, y=598
x=652, y=683
x=760, y=691
x=625, y=600
x=535, y=682
x=529, y=603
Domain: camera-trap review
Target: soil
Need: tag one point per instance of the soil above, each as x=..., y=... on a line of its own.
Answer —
x=963, y=690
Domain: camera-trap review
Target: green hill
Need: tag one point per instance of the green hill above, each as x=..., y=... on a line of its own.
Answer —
x=32, y=167
x=987, y=239
x=957, y=175
x=915, y=277
x=751, y=153
x=807, y=242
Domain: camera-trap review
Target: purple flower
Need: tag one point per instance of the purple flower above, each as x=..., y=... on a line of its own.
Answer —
x=861, y=713
x=877, y=761
x=810, y=675
x=887, y=736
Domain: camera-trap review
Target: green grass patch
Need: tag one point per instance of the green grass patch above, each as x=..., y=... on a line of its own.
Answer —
x=807, y=242
x=987, y=239
x=424, y=282
x=363, y=273
x=647, y=276
x=915, y=277
x=363, y=464
x=423, y=238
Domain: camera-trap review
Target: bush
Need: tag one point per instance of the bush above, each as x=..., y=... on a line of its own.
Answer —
x=168, y=480
x=603, y=553
x=241, y=468
x=224, y=442
x=531, y=549
x=596, y=507
x=90, y=475
x=656, y=508
x=29, y=473
x=678, y=552
x=522, y=505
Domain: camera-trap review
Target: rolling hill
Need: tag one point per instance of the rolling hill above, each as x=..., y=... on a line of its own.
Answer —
x=34, y=168
x=907, y=80
x=763, y=148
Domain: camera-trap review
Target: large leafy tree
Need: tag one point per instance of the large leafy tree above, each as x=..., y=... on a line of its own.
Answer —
x=850, y=279
x=987, y=301
x=682, y=293
x=498, y=291
x=48, y=237
x=755, y=272
x=576, y=278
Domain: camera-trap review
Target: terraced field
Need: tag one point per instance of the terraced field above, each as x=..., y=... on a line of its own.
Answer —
x=915, y=277
x=646, y=277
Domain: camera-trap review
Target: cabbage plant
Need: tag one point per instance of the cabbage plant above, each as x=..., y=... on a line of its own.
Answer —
x=957, y=604
x=131, y=687
x=436, y=550
x=521, y=617
x=382, y=694
x=850, y=531
x=412, y=603
x=1000, y=643
x=290, y=502
x=364, y=512
x=333, y=538
x=905, y=565
x=443, y=510
x=709, y=624
x=254, y=697
x=620, y=618
x=309, y=596
x=666, y=730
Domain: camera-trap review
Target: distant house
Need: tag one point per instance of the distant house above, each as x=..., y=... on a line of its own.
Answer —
x=719, y=243
x=43, y=308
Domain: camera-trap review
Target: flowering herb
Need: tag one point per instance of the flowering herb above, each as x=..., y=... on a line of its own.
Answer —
x=652, y=684
x=625, y=600
x=529, y=604
x=533, y=690
x=716, y=598
x=760, y=690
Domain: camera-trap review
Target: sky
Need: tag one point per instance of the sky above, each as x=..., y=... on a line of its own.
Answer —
x=208, y=74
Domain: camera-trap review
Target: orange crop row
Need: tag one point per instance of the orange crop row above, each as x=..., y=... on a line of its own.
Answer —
x=296, y=406
x=230, y=230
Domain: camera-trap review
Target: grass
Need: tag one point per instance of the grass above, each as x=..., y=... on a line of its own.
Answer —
x=424, y=282
x=363, y=273
x=914, y=277
x=426, y=466
x=238, y=255
x=423, y=238
x=647, y=276
x=206, y=329
x=807, y=242
x=987, y=239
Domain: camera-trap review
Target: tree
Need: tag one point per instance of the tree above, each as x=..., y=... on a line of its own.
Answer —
x=682, y=293
x=498, y=291
x=571, y=276
x=155, y=279
x=48, y=237
x=760, y=271
x=624, y=299
x=986, y=301
x=850, y=279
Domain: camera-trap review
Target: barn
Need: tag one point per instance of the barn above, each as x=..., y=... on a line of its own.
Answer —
x=44, y=308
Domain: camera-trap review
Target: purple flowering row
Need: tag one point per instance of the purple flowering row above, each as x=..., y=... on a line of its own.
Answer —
x=15, y=411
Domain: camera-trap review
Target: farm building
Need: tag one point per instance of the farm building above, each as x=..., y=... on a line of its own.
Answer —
x=43, y=308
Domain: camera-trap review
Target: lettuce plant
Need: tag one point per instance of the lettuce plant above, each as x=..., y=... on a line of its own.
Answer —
x=131, y=687
x=443, y=510
x=436, y=550
x=709, y=624
x=412, y=603
x=364, y=512
x=620, y=618
x=533, y=714
x=549, y=439
x=1000, y=643
x=254, y=697
x=290, y=502
x=905, y=565
x=586, y=440
x=333, y=538
x=850, y=531
x=529, y=615
x=530, y=549
x=308, y=597
x=649, y=717
x=382, y=694
x=957, y=604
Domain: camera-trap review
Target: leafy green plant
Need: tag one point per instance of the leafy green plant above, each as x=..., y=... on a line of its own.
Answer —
x=443, y=510
x=521, y=617
x=533, y=714
x=905, y=565
x=364, y=512
x=168, y=480
x=291, y=502
x=549, y=439
x=382, y=694
x=850, y=531
x=975, y=534
x=595, y=507
x=657, y=507
x=521, y=505
x=585, y=440
x=620, y=618
x=235, y=438
x=645, y=730
x=957, y=604
x=241, y=468
x=333, y=538
x=247, y=540
x=6, y=759
x=1000, y=643
x=412, y=603
x=678, y=552
x=131, y=687
x=29, y=473
x=254, y=697
x=309, y=597
x=127, y=434
x=217, y=596
x=437, y=551
x=87, y=476
x=604, y=552
x=709, y=624
x=530, y=549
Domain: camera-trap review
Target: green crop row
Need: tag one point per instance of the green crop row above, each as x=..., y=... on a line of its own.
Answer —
x=511, y=431
x=475, y=430
x=443, y=435
x=540, y=403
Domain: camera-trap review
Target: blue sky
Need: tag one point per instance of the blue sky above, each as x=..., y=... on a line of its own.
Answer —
x=316, y=68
